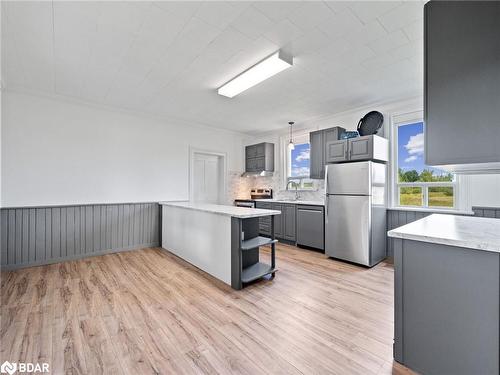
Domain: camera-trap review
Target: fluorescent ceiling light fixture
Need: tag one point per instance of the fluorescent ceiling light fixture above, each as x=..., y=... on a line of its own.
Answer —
x=261, y=71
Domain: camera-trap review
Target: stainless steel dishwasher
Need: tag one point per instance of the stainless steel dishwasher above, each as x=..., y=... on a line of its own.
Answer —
x=311, y=226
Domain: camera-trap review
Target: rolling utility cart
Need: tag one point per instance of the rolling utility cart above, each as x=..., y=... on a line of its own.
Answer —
x=245, y=258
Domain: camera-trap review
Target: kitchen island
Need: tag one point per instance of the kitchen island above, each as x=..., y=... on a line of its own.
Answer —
x=220, y=240
x=447, y=295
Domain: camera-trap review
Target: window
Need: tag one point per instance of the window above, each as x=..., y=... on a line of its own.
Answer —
x=417, y=184
x=298, y=162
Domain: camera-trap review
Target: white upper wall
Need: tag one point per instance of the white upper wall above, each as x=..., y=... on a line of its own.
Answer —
x=59, y=152
x=484, y=190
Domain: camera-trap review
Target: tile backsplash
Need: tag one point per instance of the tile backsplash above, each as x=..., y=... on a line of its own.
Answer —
x=239, y=188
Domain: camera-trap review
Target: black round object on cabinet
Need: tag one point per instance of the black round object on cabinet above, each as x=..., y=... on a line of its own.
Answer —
x=370, y=123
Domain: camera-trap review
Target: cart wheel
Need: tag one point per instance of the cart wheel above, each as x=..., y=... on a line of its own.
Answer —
x=272, y=275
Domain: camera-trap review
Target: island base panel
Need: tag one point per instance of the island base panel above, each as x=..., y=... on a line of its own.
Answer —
x=447, y=302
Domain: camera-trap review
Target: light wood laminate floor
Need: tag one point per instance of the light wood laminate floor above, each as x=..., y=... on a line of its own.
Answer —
x=148, y=312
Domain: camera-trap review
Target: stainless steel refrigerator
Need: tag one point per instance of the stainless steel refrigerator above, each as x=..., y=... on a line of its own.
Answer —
x=355, y=210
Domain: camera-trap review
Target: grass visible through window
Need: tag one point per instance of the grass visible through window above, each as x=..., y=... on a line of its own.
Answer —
x=440, y=196
x=410, y=196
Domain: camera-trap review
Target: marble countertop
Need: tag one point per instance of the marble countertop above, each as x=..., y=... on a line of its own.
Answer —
x=463, y=231
x=233, y=211
x=312, y=203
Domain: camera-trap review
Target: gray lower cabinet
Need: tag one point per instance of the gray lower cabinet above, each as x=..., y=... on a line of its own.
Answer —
x=289, y=221
x=447, y=302
x=284, y=224
x=278, y=220
x=461, y=82
x=265, y=222
x=311, y=226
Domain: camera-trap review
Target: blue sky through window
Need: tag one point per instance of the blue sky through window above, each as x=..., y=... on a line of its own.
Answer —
x=300, y=160
x=411, y=148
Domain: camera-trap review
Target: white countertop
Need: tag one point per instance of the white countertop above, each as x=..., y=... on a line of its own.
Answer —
x=238, y=212
x=463, y=231
x=312, y=203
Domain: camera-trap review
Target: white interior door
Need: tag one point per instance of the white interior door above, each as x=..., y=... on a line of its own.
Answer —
x=207, y=173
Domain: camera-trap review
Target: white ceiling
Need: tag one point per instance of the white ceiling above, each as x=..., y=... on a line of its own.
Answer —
x=168, y=58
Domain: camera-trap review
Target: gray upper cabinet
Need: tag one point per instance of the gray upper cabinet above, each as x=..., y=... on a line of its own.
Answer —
x=361, y=148
x=251, y=151
x=332, y=134
x=260, y=150
x=250, y=164
x=370, y=147
x=336, y=151
x=259, y=157
x=462, y=82
x=319, y=153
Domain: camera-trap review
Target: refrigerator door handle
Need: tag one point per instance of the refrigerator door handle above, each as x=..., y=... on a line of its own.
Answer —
x=326, y=179
x=326, y=208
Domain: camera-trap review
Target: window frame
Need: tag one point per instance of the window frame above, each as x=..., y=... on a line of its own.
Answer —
x=408, y=119
x=298, y=140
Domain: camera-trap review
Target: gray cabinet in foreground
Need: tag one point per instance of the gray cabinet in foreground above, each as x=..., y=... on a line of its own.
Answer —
x=461, y=82
x=447, y=302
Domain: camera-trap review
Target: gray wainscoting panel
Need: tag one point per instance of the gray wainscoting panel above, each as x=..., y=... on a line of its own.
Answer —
x=42, y=235
x=397, y=218
x=487, y=212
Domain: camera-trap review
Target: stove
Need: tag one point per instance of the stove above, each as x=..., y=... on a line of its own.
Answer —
x=259, y=193
x=255, y=193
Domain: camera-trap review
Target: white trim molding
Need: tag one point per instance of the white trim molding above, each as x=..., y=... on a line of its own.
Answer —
x=405, y=118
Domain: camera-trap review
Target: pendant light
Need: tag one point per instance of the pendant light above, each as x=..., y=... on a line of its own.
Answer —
x=291, y=146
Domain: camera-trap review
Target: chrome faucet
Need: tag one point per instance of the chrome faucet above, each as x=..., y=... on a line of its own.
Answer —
x=297, y=196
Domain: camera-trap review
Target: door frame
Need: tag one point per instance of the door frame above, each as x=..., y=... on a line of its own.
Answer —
x=222, y=177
